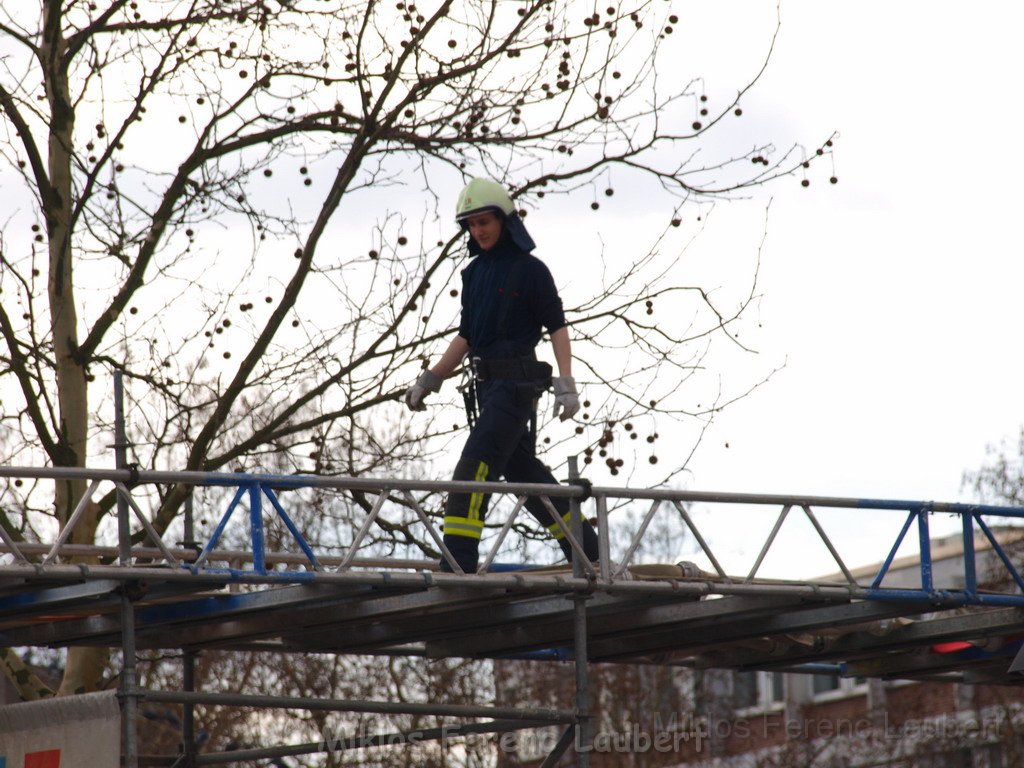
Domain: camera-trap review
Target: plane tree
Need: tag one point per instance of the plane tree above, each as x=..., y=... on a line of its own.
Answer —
x=244, y=207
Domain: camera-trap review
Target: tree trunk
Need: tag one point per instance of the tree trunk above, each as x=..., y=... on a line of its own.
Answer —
x=84, y=665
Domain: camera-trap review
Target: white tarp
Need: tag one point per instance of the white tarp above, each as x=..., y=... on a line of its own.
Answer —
x=65, y=732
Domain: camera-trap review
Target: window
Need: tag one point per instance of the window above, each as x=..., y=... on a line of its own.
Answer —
x=824, y=683
x=834, y=686
x=744, y=690
x=758, y=690
x=776, y=687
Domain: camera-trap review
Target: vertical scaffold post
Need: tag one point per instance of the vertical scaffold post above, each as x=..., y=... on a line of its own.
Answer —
x=188, y=720
x=583, y=735
x=129, y=695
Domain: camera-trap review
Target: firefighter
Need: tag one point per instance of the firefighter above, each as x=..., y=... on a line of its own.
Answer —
x=508, y=298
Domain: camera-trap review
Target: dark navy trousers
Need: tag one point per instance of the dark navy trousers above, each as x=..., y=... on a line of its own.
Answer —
x=501, y=444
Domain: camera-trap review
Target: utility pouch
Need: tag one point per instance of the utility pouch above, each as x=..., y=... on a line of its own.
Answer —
x=542, y=377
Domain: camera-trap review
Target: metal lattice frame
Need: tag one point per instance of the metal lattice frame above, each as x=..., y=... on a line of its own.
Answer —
x=590, y=587
x=256, y=487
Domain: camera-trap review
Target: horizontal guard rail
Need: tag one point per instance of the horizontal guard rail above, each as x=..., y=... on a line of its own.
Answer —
x=610, y=575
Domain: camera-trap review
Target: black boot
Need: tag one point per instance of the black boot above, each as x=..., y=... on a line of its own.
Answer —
x=589, y=544
x=464, y=550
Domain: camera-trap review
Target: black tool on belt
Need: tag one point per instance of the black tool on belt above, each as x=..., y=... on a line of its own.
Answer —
x=468, y=391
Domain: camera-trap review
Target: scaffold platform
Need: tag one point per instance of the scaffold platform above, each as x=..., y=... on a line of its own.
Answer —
x=160, y=596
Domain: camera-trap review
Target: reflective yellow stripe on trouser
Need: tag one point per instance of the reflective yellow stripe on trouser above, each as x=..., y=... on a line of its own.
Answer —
x=554, y=528
x=470, y=526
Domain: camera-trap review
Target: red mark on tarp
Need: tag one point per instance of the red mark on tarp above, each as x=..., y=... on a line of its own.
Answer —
x=49, y=758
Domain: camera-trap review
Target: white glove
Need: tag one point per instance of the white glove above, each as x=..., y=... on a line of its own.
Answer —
x=427, y=382
x=567, y=400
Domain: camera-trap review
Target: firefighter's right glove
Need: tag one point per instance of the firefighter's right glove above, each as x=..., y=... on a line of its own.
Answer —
x=567, y=400
x=427, y=382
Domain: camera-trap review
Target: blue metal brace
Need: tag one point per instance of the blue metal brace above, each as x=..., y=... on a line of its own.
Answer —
x=292, y=528
x=219, y=530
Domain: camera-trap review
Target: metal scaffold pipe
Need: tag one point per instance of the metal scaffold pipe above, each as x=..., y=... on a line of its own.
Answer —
x=372, y=484
x=582, y=659
x=129, y=683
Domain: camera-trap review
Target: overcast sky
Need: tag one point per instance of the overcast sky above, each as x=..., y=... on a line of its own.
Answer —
x=894, y=297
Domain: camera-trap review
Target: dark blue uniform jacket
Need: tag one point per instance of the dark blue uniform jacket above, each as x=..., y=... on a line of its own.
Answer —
x=535, y=303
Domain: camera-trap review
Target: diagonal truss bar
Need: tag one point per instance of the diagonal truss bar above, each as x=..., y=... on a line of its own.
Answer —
x=502, y=534
x=700, y=540
x=219, y=530
x=126, y=494
x=828, y=543
x=626, y=558
x=563, y=743
x=378, y=505
x=12, y=546
x=292, y=528
x=768, y=543
x=579, y=555
x=69, y=527
x=877, y=583
x=445, y=552
x=1010, y=568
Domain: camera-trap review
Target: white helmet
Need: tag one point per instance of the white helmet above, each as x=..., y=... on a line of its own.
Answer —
x=483, y=195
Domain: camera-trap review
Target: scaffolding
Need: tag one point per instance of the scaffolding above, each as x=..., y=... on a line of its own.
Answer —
x=150, y=595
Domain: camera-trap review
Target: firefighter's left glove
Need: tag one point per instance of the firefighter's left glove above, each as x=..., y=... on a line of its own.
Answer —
x=427, y=382
x=567, y=399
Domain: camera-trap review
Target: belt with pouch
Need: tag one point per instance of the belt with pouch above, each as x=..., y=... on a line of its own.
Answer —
x=520, y=369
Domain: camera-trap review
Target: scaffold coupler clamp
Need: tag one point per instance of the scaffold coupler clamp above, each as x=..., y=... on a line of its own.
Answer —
x=586, y=485
x=133, y=475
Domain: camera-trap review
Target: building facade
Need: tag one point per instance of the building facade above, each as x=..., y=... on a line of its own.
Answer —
x=659, y=716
